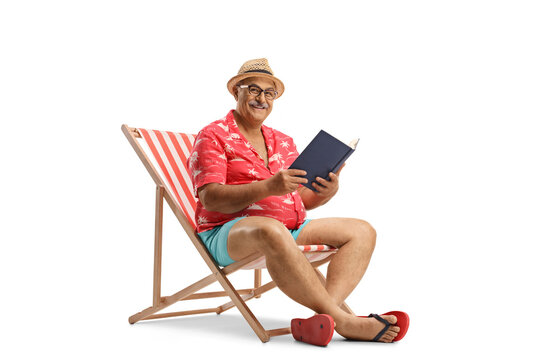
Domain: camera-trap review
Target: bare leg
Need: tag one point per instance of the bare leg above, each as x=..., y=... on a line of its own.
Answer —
x=287, y=266
x=355, y=240
x=295, y=276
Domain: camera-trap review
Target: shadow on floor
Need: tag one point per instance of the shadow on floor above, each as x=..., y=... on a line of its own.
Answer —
x=230, y=325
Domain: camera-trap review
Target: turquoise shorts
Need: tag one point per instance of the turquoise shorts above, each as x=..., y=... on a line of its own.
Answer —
x=215, y=240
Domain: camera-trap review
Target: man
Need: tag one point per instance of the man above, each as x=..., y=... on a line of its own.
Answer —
x=250, y=202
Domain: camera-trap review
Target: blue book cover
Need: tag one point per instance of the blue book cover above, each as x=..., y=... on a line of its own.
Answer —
x=323, y=155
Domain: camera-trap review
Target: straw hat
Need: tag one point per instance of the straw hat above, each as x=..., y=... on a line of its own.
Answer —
x=258, y=68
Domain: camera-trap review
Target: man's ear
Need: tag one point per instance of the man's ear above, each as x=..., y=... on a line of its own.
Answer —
x=235, y=92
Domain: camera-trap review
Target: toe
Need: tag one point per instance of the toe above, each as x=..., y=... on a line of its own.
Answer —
x=394, y=328
x=392, y=319
x=386, y=339
x=390, y=334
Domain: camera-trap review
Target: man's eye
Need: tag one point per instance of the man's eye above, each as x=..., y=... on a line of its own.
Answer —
x=270, y=94
x=254, y=90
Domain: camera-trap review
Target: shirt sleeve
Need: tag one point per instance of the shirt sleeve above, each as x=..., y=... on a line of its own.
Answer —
x=207, y=162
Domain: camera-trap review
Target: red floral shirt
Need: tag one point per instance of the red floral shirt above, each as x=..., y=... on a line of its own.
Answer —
x=221, y=154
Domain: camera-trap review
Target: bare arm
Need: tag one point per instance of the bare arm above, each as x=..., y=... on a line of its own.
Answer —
x=229, y=199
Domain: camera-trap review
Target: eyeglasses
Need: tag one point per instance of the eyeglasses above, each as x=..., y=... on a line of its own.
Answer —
x=254, y=90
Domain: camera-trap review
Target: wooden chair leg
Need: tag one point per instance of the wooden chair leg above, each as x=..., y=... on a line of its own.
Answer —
x=169, y=300
x=254, y=294
x=242, y=307
x=158, y=241
x=258, y=277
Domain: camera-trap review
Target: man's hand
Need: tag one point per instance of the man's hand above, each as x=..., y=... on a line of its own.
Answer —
x=325, y=191
x=285, y=181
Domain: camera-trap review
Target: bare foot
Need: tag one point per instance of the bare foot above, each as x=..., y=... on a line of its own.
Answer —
x=359, y=328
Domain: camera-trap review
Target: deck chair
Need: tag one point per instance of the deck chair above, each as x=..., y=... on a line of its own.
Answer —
x=166, y=162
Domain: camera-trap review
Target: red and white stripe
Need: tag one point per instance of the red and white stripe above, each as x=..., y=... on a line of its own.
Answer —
x=311, y=248
x=171, y=151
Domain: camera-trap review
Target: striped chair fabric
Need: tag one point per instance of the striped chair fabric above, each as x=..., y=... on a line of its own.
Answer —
x=170, y=151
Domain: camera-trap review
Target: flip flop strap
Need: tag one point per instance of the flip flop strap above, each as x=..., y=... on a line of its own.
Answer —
x=386, y=326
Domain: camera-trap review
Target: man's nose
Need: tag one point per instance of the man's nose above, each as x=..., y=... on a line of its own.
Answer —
x=261, y=98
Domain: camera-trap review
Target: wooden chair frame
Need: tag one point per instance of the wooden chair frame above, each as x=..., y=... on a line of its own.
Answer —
x=238, y=298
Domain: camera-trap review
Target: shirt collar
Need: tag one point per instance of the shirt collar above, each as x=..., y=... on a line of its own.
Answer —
x=267, y=134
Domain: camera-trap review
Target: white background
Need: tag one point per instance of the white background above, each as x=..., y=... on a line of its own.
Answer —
x=443, y=94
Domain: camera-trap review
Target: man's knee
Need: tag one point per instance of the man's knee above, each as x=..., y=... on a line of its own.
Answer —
x=272, y=235
x=365, y=233
x=257, y=234
x=261, y=232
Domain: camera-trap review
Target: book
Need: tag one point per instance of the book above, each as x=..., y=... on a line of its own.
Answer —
x=323, y=155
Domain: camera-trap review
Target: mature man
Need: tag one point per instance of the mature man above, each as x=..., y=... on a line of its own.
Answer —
x=250, y=202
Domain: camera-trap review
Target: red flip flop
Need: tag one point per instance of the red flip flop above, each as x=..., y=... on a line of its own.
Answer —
x=402, y=322
x=316, y=330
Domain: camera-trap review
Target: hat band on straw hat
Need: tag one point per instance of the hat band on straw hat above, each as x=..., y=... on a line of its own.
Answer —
x=259, y=71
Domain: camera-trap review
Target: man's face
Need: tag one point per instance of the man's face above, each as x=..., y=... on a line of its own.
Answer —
x=254, y=109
